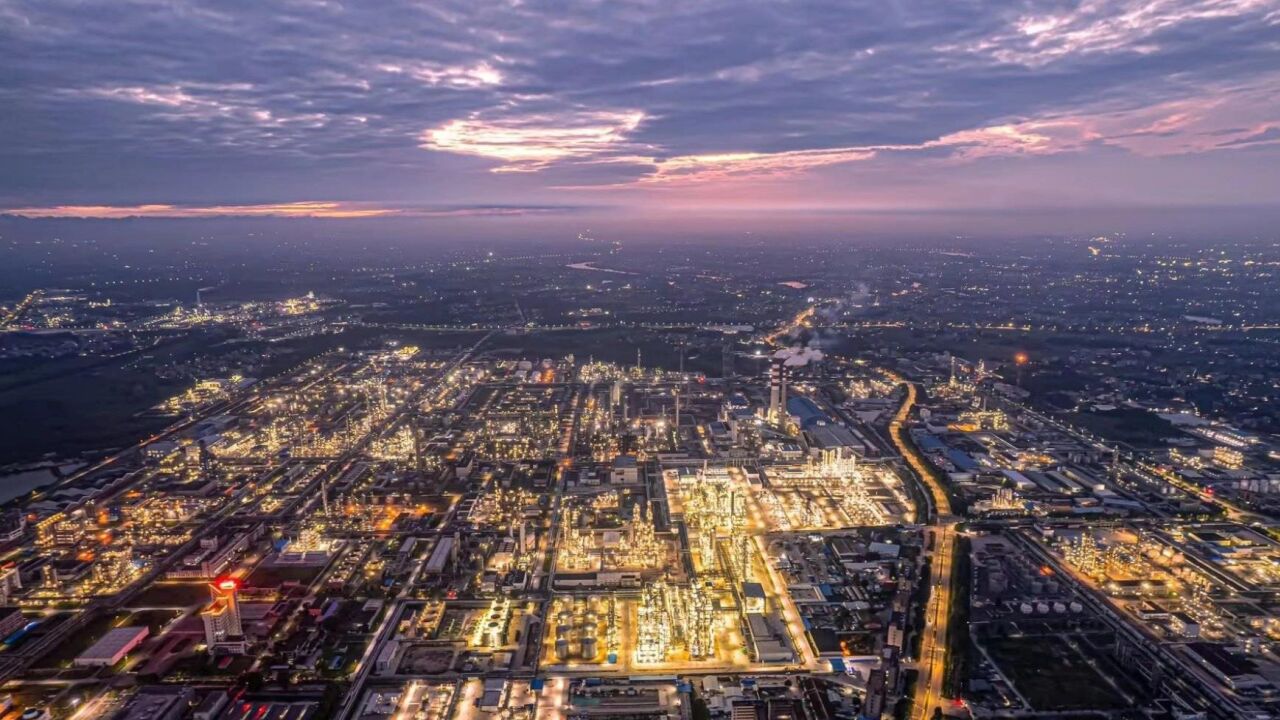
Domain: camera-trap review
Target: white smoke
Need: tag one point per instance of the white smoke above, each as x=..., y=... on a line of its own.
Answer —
x=798, y=356
x=836, y=309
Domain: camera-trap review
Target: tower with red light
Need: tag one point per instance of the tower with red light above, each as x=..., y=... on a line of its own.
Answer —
x=223, y=633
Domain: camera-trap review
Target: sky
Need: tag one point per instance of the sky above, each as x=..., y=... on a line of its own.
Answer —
x=528, y=109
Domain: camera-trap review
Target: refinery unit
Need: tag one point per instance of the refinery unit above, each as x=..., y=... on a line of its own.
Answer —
x=475, y=537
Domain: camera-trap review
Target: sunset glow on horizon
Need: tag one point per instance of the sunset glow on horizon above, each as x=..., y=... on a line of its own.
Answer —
x=346, y=112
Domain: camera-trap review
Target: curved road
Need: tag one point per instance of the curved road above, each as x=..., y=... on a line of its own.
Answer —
x=933, y=647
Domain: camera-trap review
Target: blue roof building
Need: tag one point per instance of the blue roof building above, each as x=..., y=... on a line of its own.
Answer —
x=807, y=412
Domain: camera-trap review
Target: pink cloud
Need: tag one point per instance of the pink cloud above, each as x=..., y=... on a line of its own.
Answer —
x=480, y=74
x=1195, y=124
x=308, y=209
x=532, y=142
x=1098, y=26
x=204, y=102
x=1027, y=138
x=296, y=209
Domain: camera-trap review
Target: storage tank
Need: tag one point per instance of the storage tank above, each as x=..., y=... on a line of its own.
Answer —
x=562, y=649
x=1025, y=608
x=1042, y=608
x=1076, y=606
x=589, y=648
x=1059, y=608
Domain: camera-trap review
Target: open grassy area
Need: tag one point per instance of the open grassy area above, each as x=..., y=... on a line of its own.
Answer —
x=74, y=646
x=959, y=645
x=1051, y=674
x=91, y=405
x=271, y=576
x=919, y=599
x=171, y=594
x=78, y=405
x=154, y=619
x=1140, y=428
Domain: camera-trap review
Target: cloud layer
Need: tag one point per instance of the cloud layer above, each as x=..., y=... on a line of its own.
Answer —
x=183, y=108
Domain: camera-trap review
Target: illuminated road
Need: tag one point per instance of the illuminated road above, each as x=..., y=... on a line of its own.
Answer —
x=917, y=462
x=932, y=662
x=16, y=314
x=793, y=325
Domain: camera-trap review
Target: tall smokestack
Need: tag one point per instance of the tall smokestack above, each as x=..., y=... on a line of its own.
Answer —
x=777, y=386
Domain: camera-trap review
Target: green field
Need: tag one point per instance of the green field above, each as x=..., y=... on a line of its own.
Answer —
x=1140, y=428
x=80, y=406
x=1052, y=675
